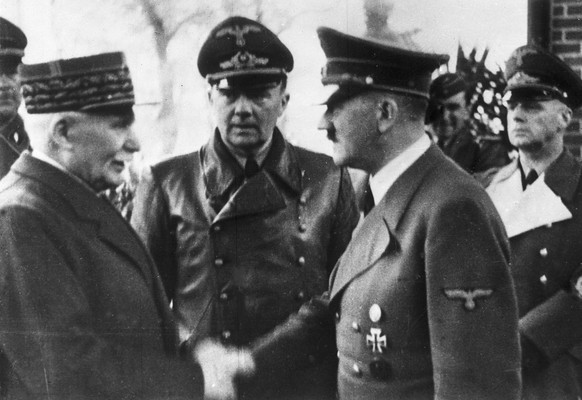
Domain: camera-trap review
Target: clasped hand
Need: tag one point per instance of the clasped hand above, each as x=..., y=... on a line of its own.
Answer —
x=220, y=365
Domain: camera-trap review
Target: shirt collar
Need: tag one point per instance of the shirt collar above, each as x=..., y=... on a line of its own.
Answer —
x=389, y=173
x=259, y=157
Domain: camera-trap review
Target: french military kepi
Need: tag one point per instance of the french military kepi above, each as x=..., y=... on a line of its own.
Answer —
x=533, y=73
x=240, y=51
x=356, y=64
x=97, y=83
x=12, y=44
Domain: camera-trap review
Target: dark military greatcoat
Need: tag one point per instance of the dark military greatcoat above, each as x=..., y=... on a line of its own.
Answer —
x=423, y=299
x=83, y=313
x=239, y=256
x=13, y=141
x=544, y=224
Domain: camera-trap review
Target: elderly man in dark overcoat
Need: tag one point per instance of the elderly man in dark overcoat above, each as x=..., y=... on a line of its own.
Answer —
x=13, y=137
x=249, y=227
x=422, y=298
x=539, y=197
x=83, y=313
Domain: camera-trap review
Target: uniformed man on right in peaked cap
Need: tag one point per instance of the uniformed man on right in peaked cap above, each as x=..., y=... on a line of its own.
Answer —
x=248, y=228
x=539, y=197
x=13, y=137
x=423, y=300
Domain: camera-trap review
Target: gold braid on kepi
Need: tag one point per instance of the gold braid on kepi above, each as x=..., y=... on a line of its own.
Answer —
x=78, y=84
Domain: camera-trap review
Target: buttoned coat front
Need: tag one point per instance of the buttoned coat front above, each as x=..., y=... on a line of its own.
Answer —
x=239, y=256
x=82, y=308
x=544, y=224
x=422, y=297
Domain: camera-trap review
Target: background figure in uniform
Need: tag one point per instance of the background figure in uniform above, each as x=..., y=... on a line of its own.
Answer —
x=423, y=299
x=82, y=307
x=247, y=229
x=450, y=122
x=13, y=137
x=539, y=197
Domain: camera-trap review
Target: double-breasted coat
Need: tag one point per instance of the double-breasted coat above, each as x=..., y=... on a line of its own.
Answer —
x=239, y=256
x=13, y=141
x=422, y=298
x=83, y=313
x=544, y=224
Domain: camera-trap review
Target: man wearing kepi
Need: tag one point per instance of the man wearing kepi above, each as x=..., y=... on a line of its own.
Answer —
x=423, y=299
x=539, y=198
x=83, y=311
x=13, y=137
x=248, y=228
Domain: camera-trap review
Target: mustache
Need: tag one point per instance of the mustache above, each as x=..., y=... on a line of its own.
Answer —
x=331, y=133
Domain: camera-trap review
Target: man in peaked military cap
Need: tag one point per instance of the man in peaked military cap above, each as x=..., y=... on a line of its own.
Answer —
x=450, y=121
x=423, y=300
x=13, y=137
x=539, y=197
x=249, y=227
x=83, y=310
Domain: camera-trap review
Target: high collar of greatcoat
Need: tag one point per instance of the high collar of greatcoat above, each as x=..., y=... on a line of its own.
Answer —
x=562, y=175
x=66, y=194
x=222, y=172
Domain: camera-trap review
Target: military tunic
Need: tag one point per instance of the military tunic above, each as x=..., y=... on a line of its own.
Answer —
x=422, y=298
x=544, y=224
x=13, y=141
x=239, y=256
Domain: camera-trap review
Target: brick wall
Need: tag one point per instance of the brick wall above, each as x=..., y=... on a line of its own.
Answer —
x=566, y=42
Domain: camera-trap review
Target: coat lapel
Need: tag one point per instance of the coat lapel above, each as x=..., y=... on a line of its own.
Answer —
x=231, y=196
x=376, y=235
x=542, y=203
x=257, y=195
x=96, y=213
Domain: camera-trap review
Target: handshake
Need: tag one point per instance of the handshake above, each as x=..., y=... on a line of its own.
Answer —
x=220, y=366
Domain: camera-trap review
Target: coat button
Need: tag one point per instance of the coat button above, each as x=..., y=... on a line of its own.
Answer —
x=302, y=227
x=544, y=252
x=380, y=370
x=216, y=228
x=357, y=370
x=543, y=279
x=302, y=200
x=300, y=296
x=219, y=262
x=355, y=327
x=226, y=335
x=223, y=296
x=301, y=261
x=337, y=317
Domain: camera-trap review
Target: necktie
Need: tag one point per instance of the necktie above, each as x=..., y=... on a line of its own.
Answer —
x=368, y=202
x=530, y=178
x=251, y=167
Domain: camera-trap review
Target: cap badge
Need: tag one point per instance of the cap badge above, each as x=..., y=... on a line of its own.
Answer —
x=376, y=340
x=469, y=296
x=242, y=60
x=238, y=32
x=520, y=53
x=522, y=78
